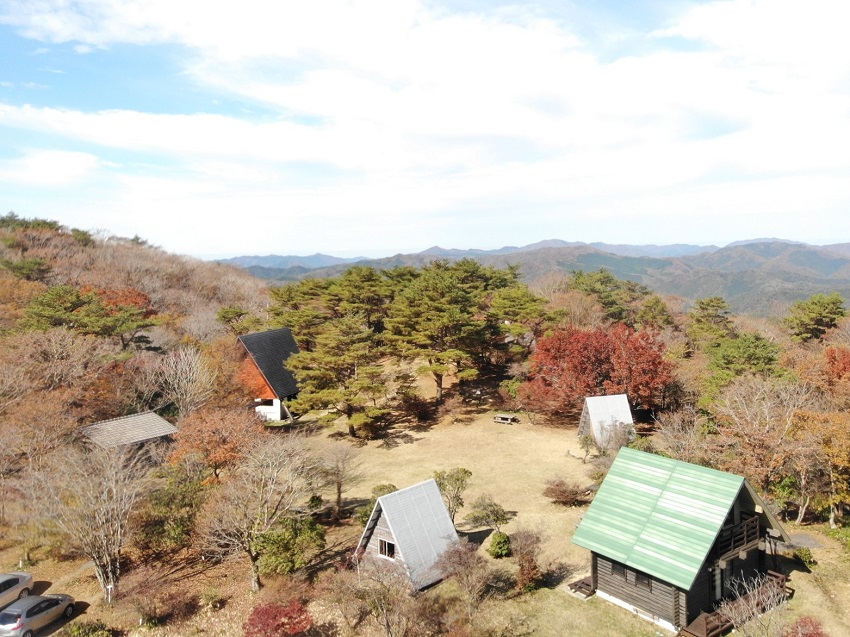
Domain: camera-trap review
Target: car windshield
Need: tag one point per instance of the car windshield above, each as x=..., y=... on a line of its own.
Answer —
x=9, y=618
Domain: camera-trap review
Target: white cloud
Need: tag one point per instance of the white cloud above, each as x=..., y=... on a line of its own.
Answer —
x=395, y=112
x=48, y=168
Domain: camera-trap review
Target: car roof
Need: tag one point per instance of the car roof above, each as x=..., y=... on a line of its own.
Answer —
x=14, y=574
x=25, y=603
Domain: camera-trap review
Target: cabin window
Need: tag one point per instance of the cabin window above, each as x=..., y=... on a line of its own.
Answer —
x=387, y=549
x=618, y=569
x=643, y=581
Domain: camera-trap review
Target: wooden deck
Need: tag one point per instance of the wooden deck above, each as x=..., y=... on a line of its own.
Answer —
x=582, y=587
x=715, y=624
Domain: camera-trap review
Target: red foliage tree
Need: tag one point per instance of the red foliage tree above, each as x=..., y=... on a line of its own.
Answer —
x=572, y=364
x=275, y=620
x=837, y=363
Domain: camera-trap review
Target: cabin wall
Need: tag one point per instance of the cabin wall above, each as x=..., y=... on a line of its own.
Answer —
x=699, y=598
x=659, y=600
x=381, y=532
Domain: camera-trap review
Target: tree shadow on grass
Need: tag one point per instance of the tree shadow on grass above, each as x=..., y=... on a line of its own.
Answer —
x=475, y=537
x=557, y=574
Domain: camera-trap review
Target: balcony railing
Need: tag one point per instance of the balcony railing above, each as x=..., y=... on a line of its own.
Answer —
x=741, y=537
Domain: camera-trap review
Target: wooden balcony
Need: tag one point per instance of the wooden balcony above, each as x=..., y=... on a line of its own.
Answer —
x=738, y=539
x=773, y=590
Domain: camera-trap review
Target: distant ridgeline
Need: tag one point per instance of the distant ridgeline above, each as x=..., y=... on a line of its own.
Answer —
x=761, y=277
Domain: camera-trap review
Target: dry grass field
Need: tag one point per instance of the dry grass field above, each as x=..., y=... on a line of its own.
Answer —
x=510, y=462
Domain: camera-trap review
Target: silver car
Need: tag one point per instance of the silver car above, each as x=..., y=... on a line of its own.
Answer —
x=14, y=586
x=26, y=616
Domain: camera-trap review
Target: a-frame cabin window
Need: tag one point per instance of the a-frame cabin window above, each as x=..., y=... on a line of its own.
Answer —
x=387, y=549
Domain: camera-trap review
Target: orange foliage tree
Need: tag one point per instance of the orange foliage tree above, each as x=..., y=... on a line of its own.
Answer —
x=218, y=438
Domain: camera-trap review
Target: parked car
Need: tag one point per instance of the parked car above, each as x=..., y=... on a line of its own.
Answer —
x=26, y=616
x=14, y=586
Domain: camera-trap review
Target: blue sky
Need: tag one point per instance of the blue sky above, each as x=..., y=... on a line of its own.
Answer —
x=383, y=126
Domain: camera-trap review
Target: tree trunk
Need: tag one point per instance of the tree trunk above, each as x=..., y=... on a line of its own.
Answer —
x=438, y=381
x=801, y=512
x=256, y=584
x=338, y=506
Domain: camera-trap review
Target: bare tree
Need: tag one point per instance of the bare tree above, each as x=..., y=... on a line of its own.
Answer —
x=462, y=561
x=272, y=484
x=682, y=433
x=756, y=416
x=385, y=590
x=89, y=497
x=341, y=468
x=759, y=610
x=187, y=379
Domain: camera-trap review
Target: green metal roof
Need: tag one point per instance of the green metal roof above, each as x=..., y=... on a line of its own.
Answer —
x=658, y=515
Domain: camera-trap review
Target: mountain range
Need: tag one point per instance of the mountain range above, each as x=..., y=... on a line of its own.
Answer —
x=760, y=276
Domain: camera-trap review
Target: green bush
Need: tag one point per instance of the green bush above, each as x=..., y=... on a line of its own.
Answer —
x=500, y=545
x=805, y=556
x=86, y=629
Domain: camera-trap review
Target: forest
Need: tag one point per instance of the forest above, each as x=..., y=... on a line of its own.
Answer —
x=94, y=327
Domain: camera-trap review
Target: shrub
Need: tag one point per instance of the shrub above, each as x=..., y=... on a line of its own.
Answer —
x=273, y=620
x=805, y=556
x=525, y=545
x=500, y=545
x=86, y=629
x=568, y=494
x=805, y=627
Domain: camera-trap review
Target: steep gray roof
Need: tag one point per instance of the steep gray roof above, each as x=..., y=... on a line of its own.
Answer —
x=128, y=430
x=269, y=351
x=421, y=526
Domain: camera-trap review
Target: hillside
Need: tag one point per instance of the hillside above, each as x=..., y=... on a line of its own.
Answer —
x=760, y=278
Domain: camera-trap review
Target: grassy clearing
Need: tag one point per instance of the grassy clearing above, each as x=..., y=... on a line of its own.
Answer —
x=510, y=462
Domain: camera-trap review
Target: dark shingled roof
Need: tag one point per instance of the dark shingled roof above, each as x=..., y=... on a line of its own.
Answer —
x=269, y=350
x=128, y=430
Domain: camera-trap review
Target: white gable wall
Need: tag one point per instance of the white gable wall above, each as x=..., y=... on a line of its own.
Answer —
x=601, y=414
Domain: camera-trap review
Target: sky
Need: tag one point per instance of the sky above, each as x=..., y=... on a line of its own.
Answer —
x=374, y=127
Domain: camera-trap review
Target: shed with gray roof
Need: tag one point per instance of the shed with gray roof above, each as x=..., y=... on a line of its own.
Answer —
x=669, y=538
x=129, y=430
x=413, y=528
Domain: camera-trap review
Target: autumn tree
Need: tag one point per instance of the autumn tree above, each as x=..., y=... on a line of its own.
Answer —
x=569, y=365
x=810, y=319
x=830, y=431
x=218, y=438
x=278, y=620
x=89, y=496
x=755, y=418
x=271, y=486
x=453, y=484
